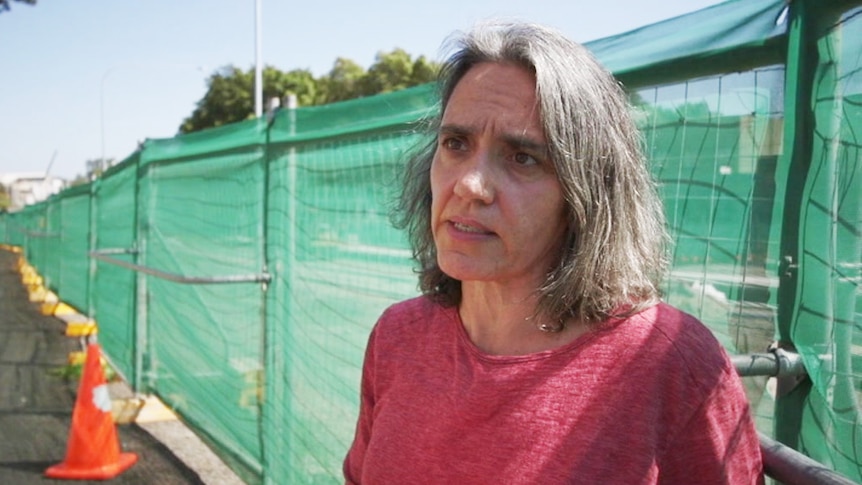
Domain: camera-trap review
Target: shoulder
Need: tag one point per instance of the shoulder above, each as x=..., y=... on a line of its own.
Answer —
x=709, y=415
x=412, y=319
x=683, y=337
x=679, y=347
x=408, y=337
x=414, y=309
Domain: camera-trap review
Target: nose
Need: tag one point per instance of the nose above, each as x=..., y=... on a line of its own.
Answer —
x=475, y=182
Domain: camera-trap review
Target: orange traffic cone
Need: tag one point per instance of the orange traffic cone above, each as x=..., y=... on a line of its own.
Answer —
x=93, y=451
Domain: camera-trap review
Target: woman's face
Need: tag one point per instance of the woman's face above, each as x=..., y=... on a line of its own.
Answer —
x=497, y=211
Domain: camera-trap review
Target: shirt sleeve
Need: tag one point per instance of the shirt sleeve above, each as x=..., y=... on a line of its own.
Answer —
x=355, y=458
x=719, y=444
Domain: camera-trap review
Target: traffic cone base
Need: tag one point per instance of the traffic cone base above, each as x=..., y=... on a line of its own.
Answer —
x=93, y=450
x=103, y=472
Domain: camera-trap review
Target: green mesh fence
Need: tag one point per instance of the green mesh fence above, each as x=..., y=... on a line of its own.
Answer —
x=339, y=265
x=237, y=272
x=827, y=319
x=713, y=144
x=74, y=274
x=114, y=290
x=38, y=234
x=15, y=231
x=53, y=259
x=35, y=228
x=203, y=227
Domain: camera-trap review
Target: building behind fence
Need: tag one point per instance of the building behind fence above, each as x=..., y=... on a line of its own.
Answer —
x=236, y=272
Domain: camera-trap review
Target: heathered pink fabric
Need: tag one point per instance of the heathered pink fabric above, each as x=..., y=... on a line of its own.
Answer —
x=645, y=400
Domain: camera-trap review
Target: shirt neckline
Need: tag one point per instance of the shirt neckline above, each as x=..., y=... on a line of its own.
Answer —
x=583, y=340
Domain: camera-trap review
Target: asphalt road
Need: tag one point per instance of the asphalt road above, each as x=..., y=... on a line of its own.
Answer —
x=36, y=406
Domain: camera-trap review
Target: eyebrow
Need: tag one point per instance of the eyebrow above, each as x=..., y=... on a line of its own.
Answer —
x=526, y=143
x=522, y=142
x=453, y=129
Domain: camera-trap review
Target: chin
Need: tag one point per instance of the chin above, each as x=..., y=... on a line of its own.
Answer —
x=465, y=273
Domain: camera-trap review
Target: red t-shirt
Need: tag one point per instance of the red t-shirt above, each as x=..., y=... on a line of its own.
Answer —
x=644, y=400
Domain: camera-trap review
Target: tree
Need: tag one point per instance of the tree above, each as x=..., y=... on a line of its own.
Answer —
x=4, y=4
x=394, y=71
x=230, y=90
x=424, y=71
x=342, y=82
x=230, y=95
x=228, y=99
x=390, y=72
x=301, y=82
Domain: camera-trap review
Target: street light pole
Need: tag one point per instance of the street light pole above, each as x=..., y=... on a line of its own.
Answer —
x=258, y=68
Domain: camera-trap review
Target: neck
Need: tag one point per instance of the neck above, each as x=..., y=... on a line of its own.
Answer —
x=503, y=321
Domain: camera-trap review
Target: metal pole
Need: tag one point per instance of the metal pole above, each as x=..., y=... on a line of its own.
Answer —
x=258, y=68
x=791, y=467
x=188, y=280
x=776, y=363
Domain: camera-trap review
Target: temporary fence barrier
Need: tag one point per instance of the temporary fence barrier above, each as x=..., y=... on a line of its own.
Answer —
x=236, y=272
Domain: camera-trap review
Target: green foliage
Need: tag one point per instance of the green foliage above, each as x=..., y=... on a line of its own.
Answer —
x=230, y=95
x=390, y=72
x=229, y=98
x=343, y=80
x=73, y=371
x=424, y=71
x=5, y=199
x=4, y=4
x=230, y=90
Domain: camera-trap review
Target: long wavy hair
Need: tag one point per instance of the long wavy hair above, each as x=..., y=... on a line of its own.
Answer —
x=615, y=251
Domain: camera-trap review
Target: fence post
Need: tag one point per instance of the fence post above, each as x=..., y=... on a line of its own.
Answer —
x=280, y=258
x=269, y=358
x=92, y=236
x=799, y=70
x=139, y=287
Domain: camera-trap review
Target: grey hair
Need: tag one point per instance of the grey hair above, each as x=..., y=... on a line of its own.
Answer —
x=615, y=253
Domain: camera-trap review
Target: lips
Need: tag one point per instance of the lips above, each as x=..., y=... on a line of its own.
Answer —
x=469, y=227
x=466, y=228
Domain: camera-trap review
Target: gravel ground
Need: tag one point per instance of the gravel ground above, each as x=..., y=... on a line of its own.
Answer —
x=36, y=406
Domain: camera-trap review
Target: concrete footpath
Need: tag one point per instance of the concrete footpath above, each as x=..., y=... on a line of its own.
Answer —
x=36, y=405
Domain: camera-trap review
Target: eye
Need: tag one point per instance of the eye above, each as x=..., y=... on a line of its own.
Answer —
x=452, y=143
x=526, y=159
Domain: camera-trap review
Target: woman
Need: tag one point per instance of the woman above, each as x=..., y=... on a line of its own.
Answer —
x=539, y=351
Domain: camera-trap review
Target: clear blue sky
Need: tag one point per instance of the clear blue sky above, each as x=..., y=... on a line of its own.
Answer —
x=144, y=63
